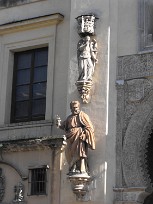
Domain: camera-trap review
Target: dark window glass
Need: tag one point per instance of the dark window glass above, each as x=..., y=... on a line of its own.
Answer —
x=23, y=76
x=39, y=90
x=22, y=93
x=24, y=60
x=38, y=107
x=29, y=85
x=21, y=109
x=41, y=58
x=38, y=181
x=40, y=74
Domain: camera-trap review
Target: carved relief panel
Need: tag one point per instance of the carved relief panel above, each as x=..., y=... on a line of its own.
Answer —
x=134, y=124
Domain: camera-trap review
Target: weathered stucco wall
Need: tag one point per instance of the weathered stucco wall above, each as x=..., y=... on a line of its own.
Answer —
x=23, y=161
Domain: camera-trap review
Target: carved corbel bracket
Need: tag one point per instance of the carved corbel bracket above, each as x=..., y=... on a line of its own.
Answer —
x=80, y=186
x=84, y=88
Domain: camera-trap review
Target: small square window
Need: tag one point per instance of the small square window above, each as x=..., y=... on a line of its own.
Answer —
x=29, y=85
x=37, y=181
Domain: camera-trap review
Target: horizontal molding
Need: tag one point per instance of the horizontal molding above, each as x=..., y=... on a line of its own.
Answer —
x=49, y=142
x=30, y=24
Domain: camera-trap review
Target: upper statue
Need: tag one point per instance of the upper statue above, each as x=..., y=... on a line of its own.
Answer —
x=87, y=58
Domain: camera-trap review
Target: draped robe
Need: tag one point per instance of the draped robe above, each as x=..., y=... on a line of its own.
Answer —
x=75, y=127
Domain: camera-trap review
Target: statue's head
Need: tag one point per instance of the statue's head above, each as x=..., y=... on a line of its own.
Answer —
x=87, y=38
x=75, y=107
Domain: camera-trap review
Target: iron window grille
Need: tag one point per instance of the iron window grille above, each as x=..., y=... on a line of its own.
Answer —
x=38, y=181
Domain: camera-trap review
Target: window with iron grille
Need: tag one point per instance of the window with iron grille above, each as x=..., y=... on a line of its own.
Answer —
x=38, y=181
x=29, y=85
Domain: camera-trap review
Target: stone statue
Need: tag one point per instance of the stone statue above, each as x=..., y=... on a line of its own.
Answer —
x=80, y=136
x=87, y=58
x=18, y=190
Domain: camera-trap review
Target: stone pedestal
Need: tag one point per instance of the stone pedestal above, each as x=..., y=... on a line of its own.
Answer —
x=80, y=185
x=84, y=88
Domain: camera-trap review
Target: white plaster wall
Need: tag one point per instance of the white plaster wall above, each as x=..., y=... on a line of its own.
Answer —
x=27, y=11
x=22, y=161
x=102, y=108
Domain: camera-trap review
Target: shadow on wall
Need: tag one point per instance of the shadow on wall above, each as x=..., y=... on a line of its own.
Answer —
x=145, y=198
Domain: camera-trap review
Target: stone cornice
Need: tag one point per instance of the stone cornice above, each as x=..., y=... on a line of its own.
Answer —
x=30, y=24
x=53, y=142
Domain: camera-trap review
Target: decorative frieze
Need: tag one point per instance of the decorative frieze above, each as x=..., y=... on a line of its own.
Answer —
x=58, y=142
x=25, y=130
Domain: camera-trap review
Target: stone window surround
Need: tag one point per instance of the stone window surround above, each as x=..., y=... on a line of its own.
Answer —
x=30, y=181
x=14, y=39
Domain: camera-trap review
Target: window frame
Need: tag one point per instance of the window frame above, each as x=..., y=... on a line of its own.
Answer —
x=21, y=36
x=30, y=182
x=30, y=117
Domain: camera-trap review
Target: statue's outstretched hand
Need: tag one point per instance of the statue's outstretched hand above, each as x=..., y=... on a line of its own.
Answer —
x=58, y=121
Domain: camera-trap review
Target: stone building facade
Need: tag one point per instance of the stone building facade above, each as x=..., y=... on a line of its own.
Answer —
x=38, y=79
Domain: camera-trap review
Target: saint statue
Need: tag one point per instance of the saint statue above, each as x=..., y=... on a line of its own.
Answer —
x=80, y=136
x=87, y=58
